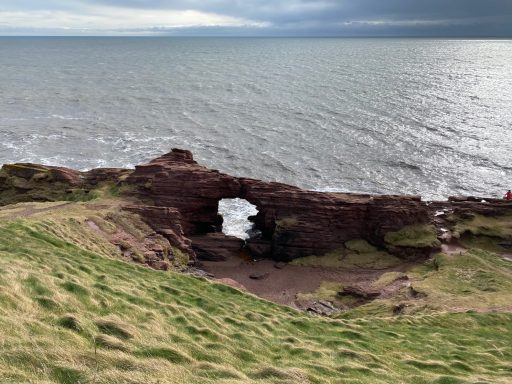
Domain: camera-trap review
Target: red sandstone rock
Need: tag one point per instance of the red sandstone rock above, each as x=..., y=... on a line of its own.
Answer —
x=322, y=308
x=176, y=180
x=469, y=206
x=259, y=276
x=166, y=222
x=182, y=200
x=216, y=246
x=161, y=265
x=359, y=292
x=99, y=175
x=35, y=172
x=293, y=222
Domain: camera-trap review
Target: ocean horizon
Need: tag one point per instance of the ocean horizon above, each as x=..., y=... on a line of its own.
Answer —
x=419, y=115
x=212, y=192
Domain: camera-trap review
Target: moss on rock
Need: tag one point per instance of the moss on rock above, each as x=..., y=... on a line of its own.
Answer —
x=413, y=236
x=360, y=246
x=362, y=255
x=495, y=227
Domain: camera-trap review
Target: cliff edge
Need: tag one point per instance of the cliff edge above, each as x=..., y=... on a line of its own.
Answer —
x=179, y=199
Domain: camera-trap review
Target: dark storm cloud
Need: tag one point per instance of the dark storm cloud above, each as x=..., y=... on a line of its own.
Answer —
x=342, y=10
x=322, y=17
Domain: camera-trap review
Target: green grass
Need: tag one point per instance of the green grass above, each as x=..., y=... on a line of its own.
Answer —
x=499, y=227
x=387, y=279
x=29, y=183
x=360, y=246
x=358, y=253
x=72, y=313
x=477, y=280
x=414, y=236
x=328, y=290
x=90, y=225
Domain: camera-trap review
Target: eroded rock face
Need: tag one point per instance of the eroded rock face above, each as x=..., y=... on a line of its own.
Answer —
x=165, y=221
x=101, y=175
x=179, y=199
x=470, y=206
x=26, y=182
x=176, y=180
x=29, y=171
x=216, y=246
x=293, y=222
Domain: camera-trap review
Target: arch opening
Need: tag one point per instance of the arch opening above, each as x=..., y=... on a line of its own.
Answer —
x=236, y=213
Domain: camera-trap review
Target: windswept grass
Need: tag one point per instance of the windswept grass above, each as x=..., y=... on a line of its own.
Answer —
x=72, y=313
x=31, y=182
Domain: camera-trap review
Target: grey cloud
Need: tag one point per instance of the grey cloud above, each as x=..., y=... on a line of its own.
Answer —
x=343, y=9
x=325, y=17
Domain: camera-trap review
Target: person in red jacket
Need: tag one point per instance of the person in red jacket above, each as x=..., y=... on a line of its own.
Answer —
x=508, y=195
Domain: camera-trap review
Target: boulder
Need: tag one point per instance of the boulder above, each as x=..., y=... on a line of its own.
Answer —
x=322, y=308
x=259, y=275
x=231, y=283
x=161, y=265
x=216, y=246
x=359, y=292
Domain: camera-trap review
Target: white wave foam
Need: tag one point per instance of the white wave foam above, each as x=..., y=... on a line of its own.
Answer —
x=235, y=213
x=61, y=117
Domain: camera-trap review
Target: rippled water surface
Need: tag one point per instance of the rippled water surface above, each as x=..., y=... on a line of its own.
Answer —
x=430, y=117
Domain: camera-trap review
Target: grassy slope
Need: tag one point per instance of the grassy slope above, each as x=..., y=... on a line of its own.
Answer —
x=477, y=281
x=71, y=315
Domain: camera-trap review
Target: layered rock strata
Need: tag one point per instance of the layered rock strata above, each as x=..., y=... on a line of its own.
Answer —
x=179, y=199
x=293, y=222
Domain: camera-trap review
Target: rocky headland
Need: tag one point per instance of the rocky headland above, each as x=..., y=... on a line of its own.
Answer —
x=126, y=275
x=179, y=199
x=301, y=238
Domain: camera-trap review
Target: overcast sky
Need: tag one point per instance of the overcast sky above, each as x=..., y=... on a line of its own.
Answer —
x=257, y=17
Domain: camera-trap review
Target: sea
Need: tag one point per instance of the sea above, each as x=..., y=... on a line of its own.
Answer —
x=430, y=117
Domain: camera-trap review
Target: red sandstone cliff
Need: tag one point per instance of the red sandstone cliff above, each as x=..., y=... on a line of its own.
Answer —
x=179, y=199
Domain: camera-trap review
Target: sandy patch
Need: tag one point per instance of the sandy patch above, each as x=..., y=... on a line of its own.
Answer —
x=282, y=285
